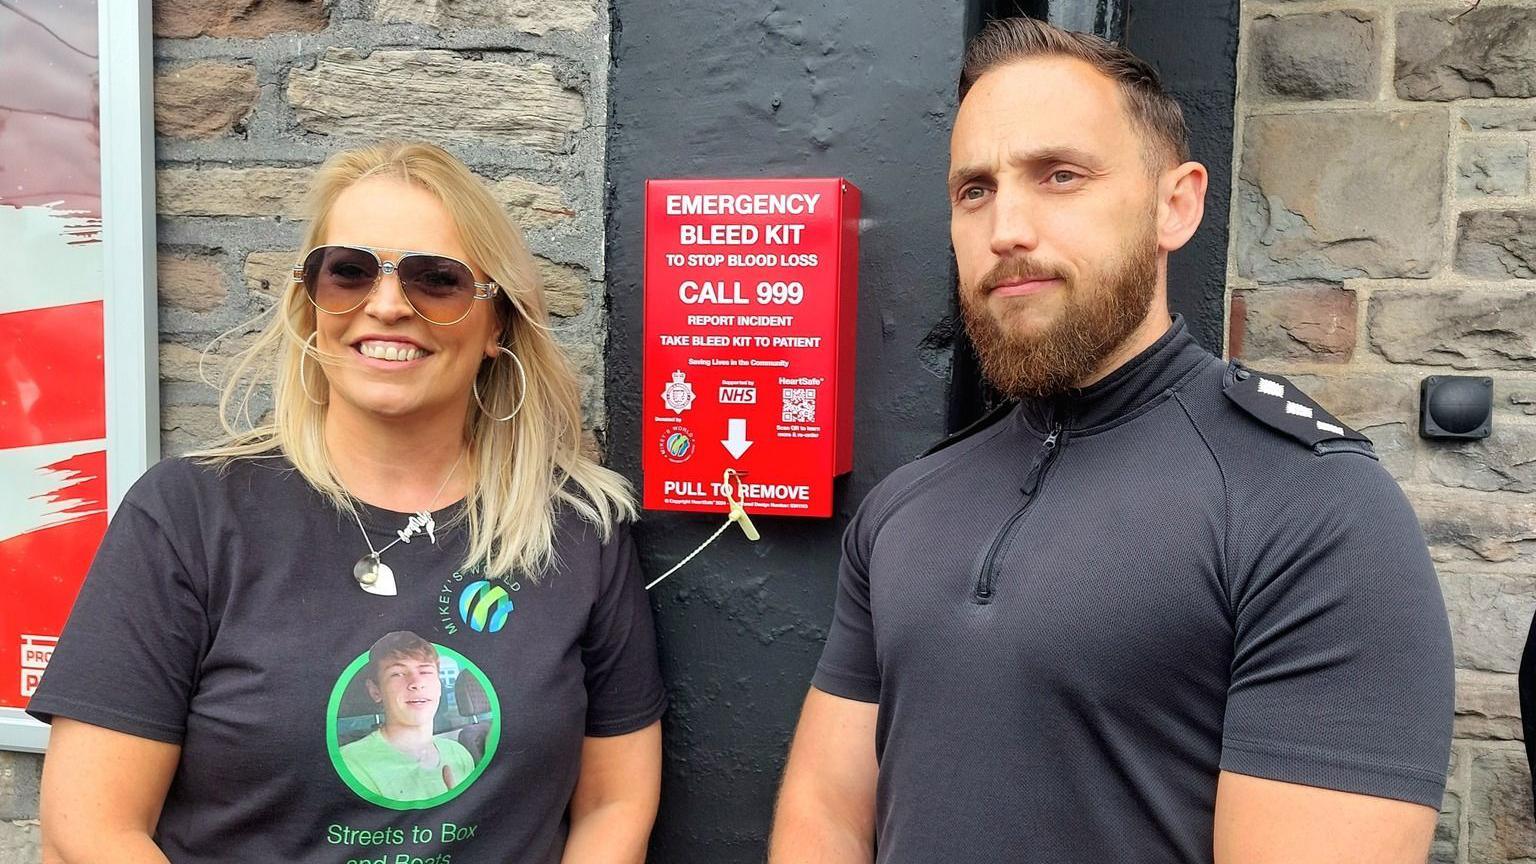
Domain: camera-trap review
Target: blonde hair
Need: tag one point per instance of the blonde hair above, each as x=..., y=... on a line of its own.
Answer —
x=525, y=469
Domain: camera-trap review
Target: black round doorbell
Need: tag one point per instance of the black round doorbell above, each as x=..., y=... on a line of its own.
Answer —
x=1455, y=407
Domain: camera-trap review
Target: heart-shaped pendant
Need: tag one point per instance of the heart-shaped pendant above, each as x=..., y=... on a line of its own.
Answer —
x=374, y=576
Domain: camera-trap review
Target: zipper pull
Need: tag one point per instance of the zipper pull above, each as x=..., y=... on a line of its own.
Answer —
x=1032, y=480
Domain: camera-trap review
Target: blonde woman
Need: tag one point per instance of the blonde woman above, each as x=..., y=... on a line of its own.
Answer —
x=421, y=471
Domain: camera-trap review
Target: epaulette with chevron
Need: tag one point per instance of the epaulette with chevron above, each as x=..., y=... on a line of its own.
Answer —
x=1280, y=405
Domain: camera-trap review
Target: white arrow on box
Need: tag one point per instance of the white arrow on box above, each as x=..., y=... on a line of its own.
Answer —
x=736, y=437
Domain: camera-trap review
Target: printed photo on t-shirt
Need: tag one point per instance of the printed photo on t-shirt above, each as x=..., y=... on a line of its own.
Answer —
x=411, y=724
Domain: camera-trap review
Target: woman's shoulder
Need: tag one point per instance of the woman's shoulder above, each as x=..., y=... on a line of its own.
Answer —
x=584, y=547
x=579, y=528
x=180, y=484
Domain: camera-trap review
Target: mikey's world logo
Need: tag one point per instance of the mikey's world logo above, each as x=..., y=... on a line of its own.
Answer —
x=482, y=605
x=677, y=444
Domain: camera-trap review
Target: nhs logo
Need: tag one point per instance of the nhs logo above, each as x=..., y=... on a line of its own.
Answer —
x=737, y=395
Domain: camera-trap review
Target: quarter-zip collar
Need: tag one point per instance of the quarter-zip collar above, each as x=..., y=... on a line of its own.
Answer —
x=1136, y=383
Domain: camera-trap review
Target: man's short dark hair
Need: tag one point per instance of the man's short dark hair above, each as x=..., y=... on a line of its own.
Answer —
x=401, y=644
x=1154, y=113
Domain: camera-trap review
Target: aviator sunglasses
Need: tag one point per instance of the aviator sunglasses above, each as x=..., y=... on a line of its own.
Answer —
x=339, y=279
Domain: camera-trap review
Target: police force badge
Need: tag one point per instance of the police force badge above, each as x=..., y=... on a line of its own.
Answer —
x=679, y=394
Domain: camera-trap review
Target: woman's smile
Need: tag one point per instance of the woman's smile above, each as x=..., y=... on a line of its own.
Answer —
x=389, y=353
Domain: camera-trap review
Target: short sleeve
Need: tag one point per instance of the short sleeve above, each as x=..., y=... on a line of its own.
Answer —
x=1342, y=673
x=623, y=675
x=848, y=666
x=129, y=655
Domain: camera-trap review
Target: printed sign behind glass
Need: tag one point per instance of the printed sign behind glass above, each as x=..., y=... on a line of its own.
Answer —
x=52, y=399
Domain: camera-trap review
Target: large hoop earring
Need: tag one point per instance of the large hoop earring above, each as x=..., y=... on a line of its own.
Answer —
x=522, y=388
x=302, y=376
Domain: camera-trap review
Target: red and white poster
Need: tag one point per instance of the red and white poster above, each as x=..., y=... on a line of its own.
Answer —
x=53, y=489
x=750, y=293
x=77, y=334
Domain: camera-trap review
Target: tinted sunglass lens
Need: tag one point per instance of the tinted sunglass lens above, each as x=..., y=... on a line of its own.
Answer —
x=338, y=278
x=441, y=289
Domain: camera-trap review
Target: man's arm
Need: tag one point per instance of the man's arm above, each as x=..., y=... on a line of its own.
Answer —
x=1262, y=821
x=826, y=812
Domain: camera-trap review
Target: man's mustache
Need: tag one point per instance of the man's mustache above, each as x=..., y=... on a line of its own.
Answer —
x=1017, y=269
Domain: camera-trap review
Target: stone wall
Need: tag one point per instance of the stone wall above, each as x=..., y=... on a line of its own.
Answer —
x=1383, y=231
x=251, y=95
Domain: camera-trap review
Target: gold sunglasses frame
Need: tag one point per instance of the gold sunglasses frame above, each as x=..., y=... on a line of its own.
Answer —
x=483, y=290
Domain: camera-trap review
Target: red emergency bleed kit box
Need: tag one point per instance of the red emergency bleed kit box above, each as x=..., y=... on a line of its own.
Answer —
x=750, y=309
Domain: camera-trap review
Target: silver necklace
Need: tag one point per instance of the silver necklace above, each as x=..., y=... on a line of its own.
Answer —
x=373, y=575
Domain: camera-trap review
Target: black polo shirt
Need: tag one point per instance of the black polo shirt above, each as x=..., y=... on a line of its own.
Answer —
x=1073, y=619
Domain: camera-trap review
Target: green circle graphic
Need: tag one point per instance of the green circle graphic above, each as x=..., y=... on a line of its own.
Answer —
x=333, y=746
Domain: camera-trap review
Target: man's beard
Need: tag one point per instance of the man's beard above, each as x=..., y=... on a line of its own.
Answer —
x=1093, y=322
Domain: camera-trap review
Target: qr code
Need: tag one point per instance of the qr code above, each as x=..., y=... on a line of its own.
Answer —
x=799, y=405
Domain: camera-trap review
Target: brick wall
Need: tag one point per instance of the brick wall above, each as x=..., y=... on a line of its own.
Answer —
x=1384, y=230
x=251, y=95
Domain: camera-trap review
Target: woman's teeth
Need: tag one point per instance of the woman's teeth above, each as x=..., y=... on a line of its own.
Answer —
x=389, y=351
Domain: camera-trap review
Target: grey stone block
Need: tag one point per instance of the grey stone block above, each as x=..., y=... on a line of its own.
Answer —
x=241, y=19
x=21, y=842
x=1499, y=826
x=250, y=191
x=1334, y=195
x=532, y=16
x=1329, y=55
x=1509, y=118
x=1480, y=530
x=1503, y=462
x=1497, y=244
x=1449, y=54
x=1462, y=329
x=1447, y=831
x=1362, y=400
x=204, y=100
x=1493, y=168
x=20, y=776
x=1305, y=321
x=1487, y=706
x=1490, y=617
x=435, y=95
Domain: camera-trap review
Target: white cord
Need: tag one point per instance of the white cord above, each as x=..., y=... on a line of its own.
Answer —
x=679, y=565
x=737, y=515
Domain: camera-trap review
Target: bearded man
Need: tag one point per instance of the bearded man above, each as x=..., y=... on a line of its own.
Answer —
x=1163, y=608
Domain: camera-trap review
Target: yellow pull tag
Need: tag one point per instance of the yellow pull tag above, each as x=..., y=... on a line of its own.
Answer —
x=738, y=514
x=740, y=517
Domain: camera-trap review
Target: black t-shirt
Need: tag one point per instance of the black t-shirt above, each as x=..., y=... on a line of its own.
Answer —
x=221, y=614
x=1069, y=643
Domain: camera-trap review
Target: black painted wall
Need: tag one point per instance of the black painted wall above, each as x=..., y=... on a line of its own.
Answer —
x=787, y=88
x=1193, y=45
x=863, y=90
